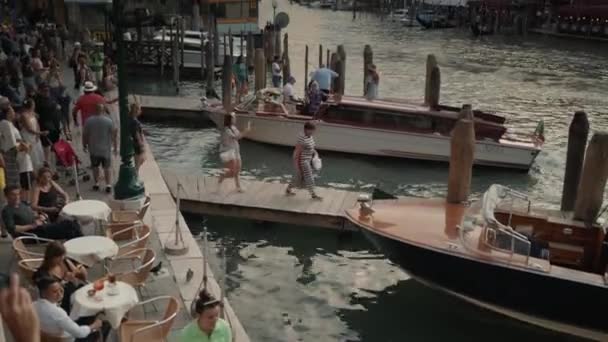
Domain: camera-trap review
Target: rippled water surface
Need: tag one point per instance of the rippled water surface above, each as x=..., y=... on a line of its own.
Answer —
x=294, y=283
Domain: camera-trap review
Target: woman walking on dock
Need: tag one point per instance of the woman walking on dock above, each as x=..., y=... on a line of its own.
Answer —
x=303, y=155
x=230, y=152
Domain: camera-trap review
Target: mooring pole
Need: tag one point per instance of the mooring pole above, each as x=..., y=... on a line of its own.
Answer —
x=434, y=88
x=306, y=70
x=260, y=69
x=577, y=141
x=590, y=193
x=431, y=63
x=368, y=59
x=462, y=150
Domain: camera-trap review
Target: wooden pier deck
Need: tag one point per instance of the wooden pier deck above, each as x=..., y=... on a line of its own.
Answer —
x=262, y=201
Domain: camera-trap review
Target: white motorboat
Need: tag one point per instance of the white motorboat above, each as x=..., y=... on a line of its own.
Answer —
x=383, y=128
x=192, y=46
x=399, y=15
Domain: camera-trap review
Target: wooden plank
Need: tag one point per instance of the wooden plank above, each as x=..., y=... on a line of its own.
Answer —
x=320, y=207
x=349, y=201
x=171, y=180
x=252, y=188
x=335, y=207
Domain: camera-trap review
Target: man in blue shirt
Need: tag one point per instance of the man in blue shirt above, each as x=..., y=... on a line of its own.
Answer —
x=324, y=76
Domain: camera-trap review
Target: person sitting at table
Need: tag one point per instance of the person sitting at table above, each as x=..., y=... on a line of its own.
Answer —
x=48, y=197
x=54, y=321
x=19, y=219
x=208, y=326
x=56, y=265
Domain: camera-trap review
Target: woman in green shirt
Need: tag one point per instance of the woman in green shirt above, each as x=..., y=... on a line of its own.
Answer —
x=208, y=326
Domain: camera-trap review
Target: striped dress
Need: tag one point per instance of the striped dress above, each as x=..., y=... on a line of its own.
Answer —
x=303, y=177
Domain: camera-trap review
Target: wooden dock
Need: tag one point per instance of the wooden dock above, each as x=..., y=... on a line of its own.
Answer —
x=262, y=201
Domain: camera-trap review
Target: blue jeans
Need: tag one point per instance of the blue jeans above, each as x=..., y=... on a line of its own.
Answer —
x=276, y=81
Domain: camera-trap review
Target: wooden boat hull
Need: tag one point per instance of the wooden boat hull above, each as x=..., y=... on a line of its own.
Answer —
x=380, y=142
x=553, y=303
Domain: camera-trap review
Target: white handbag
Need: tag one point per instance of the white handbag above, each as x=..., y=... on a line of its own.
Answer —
x=317, y=164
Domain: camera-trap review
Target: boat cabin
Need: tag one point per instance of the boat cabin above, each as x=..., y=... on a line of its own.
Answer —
x=399, y=116
x=545, y=234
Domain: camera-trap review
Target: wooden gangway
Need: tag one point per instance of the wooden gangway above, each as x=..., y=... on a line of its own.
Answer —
x=261, y=201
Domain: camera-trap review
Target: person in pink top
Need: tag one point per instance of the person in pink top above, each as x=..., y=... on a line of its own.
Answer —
x=87, y=103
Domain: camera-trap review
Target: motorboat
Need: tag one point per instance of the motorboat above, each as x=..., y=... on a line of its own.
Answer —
x=192, y=46
x=384, y=127
x=501, y=253
x=327, y=3
x=399, y=15
x=430, y=19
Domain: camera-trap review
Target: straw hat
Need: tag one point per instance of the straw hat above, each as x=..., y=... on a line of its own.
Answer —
x=89, y=87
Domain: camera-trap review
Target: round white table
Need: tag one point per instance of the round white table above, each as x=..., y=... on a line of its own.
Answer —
x=85, y=211
x=114, y=306
x=90, y=250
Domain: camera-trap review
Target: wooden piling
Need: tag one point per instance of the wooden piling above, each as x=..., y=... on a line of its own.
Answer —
x=332, y=61
x=286, y=65
x=328, y=56
x=175, y=59
x=434, y=88
x=577, y=141
x=306, y=70
x=250, y=50
x=203, y=56
x=182, y=37
x=260, y=69
x=431, y=62
x=210, y=69
x=231, y=46
x=462, y=151
x=368, y=59
x=216, y=42
x=225, y=45
x=590, y=193
x=277, y=43
x=341, y=70
x=227, y=84
x=162, y=52
x=320, y=55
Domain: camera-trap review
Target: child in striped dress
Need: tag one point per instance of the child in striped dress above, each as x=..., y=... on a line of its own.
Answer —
x=302, y=159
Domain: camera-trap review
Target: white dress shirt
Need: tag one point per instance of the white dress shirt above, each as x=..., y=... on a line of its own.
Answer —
x=55, y=321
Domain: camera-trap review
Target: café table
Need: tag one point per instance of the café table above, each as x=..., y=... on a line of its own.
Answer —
x=89, y=250
x=86, y=211
x=113, y=303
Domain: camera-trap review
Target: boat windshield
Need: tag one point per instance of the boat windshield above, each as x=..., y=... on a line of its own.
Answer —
x=496, y=235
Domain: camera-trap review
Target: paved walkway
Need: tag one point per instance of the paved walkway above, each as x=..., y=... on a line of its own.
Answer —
x=161, y=217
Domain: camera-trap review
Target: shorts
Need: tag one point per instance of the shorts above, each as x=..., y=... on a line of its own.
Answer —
x=105, y=162
x=26, y=179
x=50, y=139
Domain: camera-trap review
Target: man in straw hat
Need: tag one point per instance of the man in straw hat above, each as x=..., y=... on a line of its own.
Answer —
x=87, y=104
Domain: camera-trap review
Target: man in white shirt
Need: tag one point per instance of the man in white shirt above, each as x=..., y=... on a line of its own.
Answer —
x=289, y=96
x=54, y=320
x=276, y=72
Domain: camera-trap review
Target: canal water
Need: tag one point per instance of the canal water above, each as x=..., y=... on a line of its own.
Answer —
x=306, y=284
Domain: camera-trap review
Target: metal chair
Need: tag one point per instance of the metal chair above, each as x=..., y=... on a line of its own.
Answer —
x=30, y=247
x=131, y=215
x=138, y=276
x=27, y=268
x=149, y=330
x=140, y=235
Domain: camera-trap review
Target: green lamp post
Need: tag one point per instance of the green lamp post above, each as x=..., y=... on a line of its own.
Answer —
x=128, y=185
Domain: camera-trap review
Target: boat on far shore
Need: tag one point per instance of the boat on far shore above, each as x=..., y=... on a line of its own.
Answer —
x=383, y=127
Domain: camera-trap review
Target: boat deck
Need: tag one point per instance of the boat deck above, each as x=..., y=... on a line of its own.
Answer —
x=432, y=223
x=262, y=201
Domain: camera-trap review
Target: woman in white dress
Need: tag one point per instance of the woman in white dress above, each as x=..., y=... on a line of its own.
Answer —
x=230, y=151
x=30, y=132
